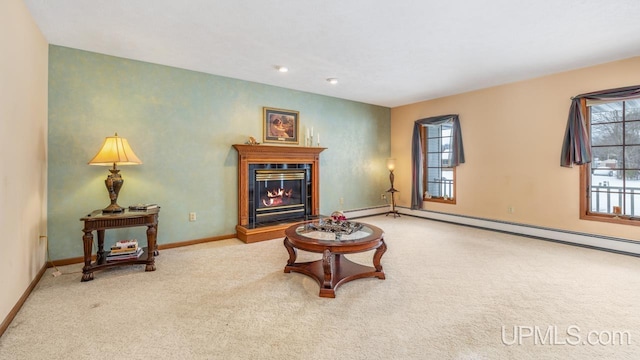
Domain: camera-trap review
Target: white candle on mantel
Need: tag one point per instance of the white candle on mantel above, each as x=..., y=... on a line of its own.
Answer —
x=307, y=133
x=312, y=131
x=318, y=138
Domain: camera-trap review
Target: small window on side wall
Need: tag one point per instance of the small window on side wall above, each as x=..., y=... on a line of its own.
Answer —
x=439, y=174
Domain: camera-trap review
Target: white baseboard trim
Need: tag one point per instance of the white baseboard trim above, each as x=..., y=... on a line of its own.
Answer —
x=618, y=245
x=358, y=213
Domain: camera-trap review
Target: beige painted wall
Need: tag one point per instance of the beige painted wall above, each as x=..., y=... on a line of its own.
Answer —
x=23, y=144
x=513, y=136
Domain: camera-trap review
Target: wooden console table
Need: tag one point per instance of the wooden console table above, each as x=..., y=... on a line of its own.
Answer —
x=100, y=222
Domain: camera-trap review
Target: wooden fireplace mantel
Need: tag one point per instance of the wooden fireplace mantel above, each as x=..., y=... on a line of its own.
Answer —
x=265, y=154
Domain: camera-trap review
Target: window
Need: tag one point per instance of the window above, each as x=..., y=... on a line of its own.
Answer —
x=439, y=174
x=436, y=150
x=611, y=182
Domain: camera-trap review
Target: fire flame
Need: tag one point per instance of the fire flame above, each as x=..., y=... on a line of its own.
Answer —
x=277, y=197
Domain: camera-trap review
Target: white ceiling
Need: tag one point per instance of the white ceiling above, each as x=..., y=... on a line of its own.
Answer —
x=383, y=52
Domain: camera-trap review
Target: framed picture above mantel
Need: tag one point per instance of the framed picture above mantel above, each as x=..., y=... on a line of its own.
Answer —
x=281, y=126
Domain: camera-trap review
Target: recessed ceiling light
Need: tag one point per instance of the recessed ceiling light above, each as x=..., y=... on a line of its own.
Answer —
x=282, y=68
x=332, y=81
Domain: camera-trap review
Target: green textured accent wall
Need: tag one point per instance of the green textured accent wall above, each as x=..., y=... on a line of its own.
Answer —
x=182, y=124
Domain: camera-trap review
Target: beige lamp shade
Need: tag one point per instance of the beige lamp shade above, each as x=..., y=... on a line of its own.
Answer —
x=115, y=150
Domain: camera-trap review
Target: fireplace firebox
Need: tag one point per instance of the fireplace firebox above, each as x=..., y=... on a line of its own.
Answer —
x=278, y=192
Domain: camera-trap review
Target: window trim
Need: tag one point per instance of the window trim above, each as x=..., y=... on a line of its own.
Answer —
x=585, y=193
x=438, y=199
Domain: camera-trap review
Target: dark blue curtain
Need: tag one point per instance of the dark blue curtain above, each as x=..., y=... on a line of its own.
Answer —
x=417, y=156
x=576, y=148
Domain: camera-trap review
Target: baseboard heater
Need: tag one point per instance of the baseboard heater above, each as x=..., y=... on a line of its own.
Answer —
x=600, y=242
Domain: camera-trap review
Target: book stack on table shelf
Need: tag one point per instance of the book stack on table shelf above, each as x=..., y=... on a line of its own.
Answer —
x=125, y=250
x=142, y=207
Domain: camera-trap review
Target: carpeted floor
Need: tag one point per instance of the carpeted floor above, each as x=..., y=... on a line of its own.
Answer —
x=451, y=292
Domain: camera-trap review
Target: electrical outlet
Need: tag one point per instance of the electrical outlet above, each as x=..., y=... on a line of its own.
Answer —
x=192, y=216
x=341, y=201
x=511, y=210
x=383, y=196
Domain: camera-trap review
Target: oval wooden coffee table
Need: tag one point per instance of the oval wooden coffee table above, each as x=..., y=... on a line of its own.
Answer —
x=334, y=269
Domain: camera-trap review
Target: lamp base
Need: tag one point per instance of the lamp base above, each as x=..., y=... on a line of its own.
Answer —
x=113, y=208
x=394, y=212
x=113, y=182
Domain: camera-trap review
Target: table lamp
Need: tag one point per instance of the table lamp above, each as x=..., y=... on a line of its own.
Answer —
x=115, y=151
x=391, y=165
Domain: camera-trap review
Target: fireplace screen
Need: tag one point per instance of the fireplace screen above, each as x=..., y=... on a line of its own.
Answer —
x=279, y=194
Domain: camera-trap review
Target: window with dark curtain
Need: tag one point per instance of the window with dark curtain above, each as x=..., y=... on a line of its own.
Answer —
x=436, y=149
x=603, y=137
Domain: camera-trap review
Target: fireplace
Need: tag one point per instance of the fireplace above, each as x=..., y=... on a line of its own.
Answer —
x=277, y=186
x=278, y=192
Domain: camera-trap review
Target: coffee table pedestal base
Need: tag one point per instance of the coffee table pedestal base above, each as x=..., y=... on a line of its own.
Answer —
x=334, y=269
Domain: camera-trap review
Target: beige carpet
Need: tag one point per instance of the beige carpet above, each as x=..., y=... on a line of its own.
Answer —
x=451, y=292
